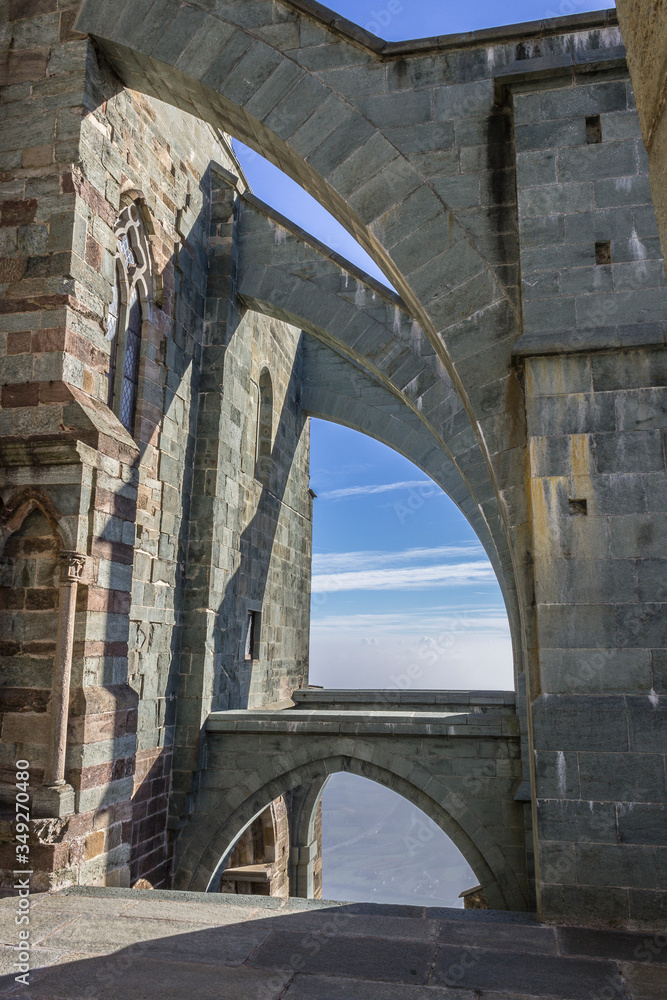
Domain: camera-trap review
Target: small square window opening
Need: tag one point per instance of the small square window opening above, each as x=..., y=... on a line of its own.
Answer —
x=603, y=252
x=593, y=129
x=578, y=508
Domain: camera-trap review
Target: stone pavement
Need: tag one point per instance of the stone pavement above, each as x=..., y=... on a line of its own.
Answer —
x=123, y=943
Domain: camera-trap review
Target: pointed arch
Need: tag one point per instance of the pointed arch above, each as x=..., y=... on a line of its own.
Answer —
x=208, y=837
x=20, y=504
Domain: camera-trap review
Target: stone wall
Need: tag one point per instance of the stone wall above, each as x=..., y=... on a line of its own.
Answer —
x=123, y=500
x=599, y=503
x=593, y=280
x=644, y=33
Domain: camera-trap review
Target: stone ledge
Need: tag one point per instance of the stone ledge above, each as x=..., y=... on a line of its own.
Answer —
x=321, y=698
x=460, y=40
x=296, y=721
x=295, y=904
x=594, y=339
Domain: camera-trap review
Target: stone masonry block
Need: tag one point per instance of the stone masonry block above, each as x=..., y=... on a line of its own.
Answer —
x=580, y=722
x=626, y=777
x=576, y=822
x=616, y=864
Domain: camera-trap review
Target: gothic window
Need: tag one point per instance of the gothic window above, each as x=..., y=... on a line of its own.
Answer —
x=130, y=307
x=128, y=398
x=112, y=330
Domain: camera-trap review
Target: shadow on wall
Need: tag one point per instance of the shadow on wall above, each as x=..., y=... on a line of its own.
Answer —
x=234, y=674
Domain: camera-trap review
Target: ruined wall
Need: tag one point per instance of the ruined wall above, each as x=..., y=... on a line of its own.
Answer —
x=644, y=29
x=124, y=501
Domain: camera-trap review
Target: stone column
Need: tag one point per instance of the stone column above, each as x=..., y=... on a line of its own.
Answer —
x=56, y=796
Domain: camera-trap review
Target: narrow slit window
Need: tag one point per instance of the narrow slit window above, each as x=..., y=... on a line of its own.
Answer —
x=252, y=636
x=603, y=252
x=593, y=129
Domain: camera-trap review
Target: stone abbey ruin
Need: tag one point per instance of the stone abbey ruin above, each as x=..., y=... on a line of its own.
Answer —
x=165, y=337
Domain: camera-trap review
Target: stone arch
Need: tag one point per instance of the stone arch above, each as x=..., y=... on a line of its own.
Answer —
x=20, y=504
x=367, y=364
x=31, y=544
x=323, y=110
x=207, y=837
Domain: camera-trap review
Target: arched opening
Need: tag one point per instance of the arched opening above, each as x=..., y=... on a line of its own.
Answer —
x=258, y=863
x=452, y=803
x=403, y=595
x=378, y=847
x=404, y=600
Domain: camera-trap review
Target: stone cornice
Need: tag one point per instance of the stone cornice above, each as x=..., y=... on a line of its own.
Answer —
x=441, y=43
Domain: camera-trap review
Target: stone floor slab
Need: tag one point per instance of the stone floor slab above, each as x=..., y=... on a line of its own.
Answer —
x=552, y=977
x=328, y=988
x=126, y=945
x=341, y=923
x=500, y=937
x=645, y=982
x=365, y=957
x=170, y=940
x=122, y=976
x=43, y=923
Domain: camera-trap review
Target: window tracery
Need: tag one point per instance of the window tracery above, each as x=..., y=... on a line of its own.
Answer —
x=130, y=307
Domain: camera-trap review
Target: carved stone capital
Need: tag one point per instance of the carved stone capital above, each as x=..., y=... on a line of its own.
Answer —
x=75, y=567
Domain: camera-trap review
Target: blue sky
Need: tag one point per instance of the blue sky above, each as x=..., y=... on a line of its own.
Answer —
x=403, y=594
x=395, y=20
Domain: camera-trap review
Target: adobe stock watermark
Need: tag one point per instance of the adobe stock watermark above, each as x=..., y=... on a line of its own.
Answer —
x=414, y=501
x=381, y=19
x=22, y=872
x=431, y=650
x=565, y=8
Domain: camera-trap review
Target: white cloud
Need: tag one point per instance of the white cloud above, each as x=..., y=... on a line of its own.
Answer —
x=406, y=577
x=456, y=658
x=347, y=562
x=357, y=491
x=417, y=625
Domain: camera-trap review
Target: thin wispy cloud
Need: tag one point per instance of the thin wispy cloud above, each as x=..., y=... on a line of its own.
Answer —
x=348, y=562
x=416, y=623
x=406, y=577
x=358, y=491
